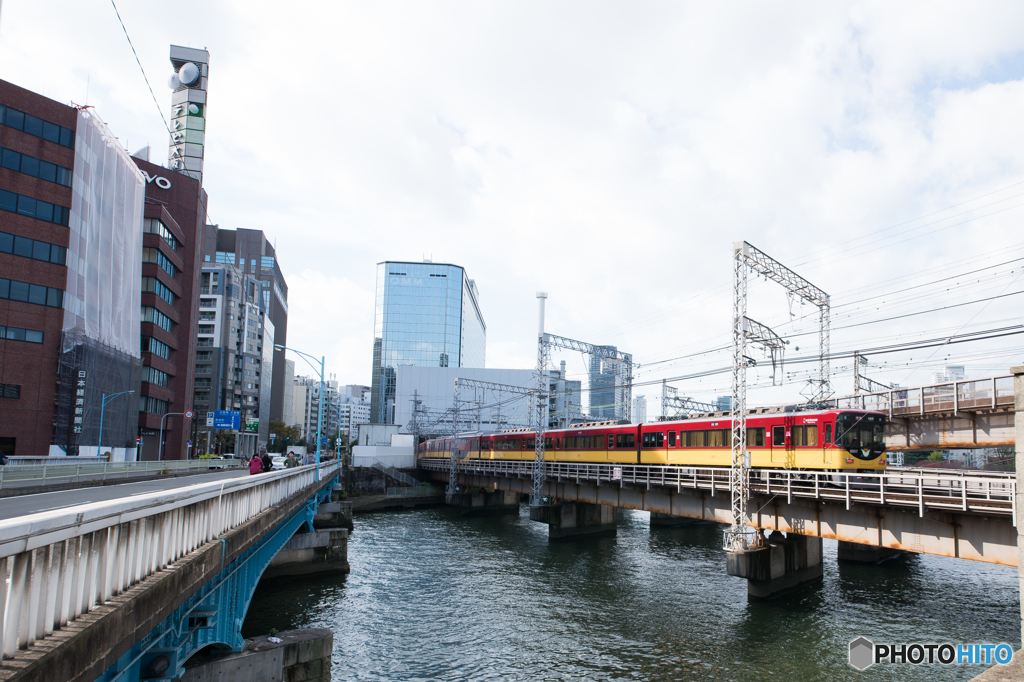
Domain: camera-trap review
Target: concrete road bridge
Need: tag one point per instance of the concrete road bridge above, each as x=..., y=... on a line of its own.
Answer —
x=130, y=588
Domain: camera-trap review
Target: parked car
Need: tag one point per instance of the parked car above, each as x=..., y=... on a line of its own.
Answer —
x=278, y=461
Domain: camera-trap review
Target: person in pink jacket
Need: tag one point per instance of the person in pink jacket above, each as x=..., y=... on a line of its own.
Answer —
x=255, y=465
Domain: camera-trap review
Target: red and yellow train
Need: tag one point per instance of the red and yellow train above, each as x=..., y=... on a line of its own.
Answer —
x=833, y=440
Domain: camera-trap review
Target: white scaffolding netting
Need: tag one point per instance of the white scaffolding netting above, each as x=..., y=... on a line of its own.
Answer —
x=103, y=298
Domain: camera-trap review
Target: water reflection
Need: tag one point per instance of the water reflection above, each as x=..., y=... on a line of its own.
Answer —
x=433, y=596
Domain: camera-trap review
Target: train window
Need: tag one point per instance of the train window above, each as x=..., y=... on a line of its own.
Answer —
x=778, y=436
x=625, y=440
x=529, y=443
x=755, y=437
x=828, y=434
x=654, y=440
x=695, y=439
x=714, y=439
x=805, y=436
x=611, y=441
x=558, y=443
x=547, y=443
x=671, y=439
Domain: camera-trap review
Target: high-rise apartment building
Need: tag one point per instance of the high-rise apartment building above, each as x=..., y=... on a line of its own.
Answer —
x=606, y=384
x=639, y=415
x=234, y=351
x=427, y=315
x=253, y=255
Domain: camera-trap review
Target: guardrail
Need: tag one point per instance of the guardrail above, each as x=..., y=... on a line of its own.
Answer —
x=57, y=565
x=64, y=469
x=982, y=492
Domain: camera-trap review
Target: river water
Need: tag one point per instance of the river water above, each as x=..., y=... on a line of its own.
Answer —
x=435, y=596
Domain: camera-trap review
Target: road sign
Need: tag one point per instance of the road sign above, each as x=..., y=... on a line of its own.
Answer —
x=325, y=441
x=209, y=418
x=227, y=419
x=189, y=414
x=252, y=424
x=273, y=436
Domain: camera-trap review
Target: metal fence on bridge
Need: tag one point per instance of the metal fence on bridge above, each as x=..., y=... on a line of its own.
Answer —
x=67, y=469
x=969, y=395
x=60, y=564
x=981, y=492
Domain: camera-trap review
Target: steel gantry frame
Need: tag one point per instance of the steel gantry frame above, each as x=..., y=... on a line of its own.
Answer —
x=626, y=359
x=763, y=264
x=471, y=383
x=739, y=537
x=763, y=335
x=545, y=342
x=680, y=406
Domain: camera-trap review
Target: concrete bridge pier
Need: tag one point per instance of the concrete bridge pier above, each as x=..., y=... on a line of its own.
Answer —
x=782, y=565
x=659, y=520
x=486, y=503
x=573, y=520
x=856, y=553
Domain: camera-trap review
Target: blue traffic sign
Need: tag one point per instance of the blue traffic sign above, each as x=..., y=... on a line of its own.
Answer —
x=227, y=419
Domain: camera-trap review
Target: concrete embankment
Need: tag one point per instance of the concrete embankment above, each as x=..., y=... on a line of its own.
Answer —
x=299, y=656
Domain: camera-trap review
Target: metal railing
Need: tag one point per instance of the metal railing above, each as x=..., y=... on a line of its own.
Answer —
x=65, y=469
x=969, y=395
x=57, y=565
x=394, y=473
x=981, y=492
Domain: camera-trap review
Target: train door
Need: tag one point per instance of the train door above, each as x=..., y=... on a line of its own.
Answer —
x=780, y=444
x=829, y=458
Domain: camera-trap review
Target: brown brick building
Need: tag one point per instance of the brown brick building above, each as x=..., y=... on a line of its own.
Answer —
x=37, y=139
x=175, y=213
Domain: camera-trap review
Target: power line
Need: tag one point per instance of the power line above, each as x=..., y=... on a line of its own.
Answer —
x=139, y=62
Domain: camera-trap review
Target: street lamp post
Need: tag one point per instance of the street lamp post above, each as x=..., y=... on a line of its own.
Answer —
x=320, y=410
x=160, y=449
x=104, y=399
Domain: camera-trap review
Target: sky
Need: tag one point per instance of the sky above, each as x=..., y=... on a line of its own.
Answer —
x=609, y=154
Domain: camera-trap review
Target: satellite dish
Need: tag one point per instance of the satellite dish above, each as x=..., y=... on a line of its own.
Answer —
x=173, y=82
x=188, y=73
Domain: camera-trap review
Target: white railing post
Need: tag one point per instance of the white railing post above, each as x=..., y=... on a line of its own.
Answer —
x=16, y=602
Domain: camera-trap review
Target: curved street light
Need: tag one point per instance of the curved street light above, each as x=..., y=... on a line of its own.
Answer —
x=320, y=410
x=104, y=399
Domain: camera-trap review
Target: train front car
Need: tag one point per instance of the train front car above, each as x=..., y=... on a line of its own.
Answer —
x=862, y=436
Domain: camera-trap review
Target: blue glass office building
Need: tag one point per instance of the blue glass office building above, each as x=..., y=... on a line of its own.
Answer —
x=427, y=315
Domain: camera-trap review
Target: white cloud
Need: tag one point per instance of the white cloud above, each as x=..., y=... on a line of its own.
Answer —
x=608, y=153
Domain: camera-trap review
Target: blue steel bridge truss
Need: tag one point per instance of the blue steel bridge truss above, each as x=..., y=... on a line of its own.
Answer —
x=214, y=614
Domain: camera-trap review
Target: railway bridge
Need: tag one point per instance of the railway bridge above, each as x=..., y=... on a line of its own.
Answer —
x=965, y=514
x=130, y=588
